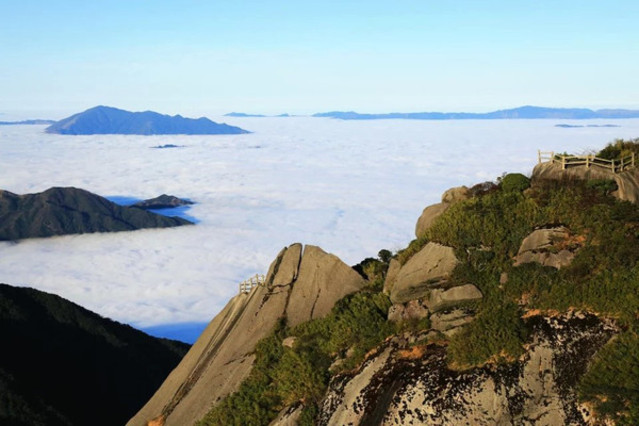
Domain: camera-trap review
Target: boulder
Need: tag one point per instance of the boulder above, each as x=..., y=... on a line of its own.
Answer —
x=413, y=310
x=439, y=299
x=428, y=217
x=627, y=181
x=323, y=279
x=450, y=321
x=546, y=247
x=429, y=268
x=289, y=342
x=543, y=239
x=430, y=213
x=454, y=195
x=289, y=416
x=391, y=275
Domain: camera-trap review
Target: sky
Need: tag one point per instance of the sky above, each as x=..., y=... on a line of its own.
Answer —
x=213, y=57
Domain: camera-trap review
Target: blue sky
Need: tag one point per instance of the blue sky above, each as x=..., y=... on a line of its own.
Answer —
x=212, y=57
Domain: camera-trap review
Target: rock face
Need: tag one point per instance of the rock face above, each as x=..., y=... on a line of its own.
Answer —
x=431, y=213
x=449, y=322
x=627, y=181
x=428, y=217
x=222, y=357
x=391, y=275
x=439, y=299
x=402, y=385
x=428, y=269
x=548, y=247
x=413, y=310
x=61, y=211
x=108, y=120
x=323, y=280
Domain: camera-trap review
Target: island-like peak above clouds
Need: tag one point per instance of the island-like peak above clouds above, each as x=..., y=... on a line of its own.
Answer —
x=108, y=120
x=524, y=112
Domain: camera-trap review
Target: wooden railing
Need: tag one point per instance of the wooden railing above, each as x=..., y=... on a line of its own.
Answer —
x=615, y=166
x=247, y=285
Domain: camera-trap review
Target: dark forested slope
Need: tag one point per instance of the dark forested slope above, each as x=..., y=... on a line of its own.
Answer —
x=61, y=364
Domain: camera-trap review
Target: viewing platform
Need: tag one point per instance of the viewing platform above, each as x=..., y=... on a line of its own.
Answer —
x=566, y=161
x=247, y=285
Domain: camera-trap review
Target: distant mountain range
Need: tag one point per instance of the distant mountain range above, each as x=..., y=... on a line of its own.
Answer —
x=108, y=120
x=61, y=211
x=525, y=112
x=36, y=121
x=61, y=364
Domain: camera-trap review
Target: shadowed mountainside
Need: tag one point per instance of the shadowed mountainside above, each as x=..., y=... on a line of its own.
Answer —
x=61, y=364
x=60, y=211
x=108, y=120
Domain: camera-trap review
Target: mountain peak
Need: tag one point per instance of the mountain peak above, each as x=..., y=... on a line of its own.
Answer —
x=103, y=119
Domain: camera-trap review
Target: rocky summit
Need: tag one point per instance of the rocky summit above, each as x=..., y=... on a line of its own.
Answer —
x=516, y=305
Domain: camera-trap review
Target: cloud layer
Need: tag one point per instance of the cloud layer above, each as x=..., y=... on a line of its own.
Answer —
x=352, y=188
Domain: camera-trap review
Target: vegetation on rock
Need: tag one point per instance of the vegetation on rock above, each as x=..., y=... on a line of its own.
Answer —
x=486, y=232
x=619, y=148
x=282, y=376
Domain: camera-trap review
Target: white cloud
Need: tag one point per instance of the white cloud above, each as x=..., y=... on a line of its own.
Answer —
x=351, y=187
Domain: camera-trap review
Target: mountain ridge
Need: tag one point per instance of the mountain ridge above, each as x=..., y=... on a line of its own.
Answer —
x=62, y=364
x=62, y=211
x=109, y=120
x=523, y=112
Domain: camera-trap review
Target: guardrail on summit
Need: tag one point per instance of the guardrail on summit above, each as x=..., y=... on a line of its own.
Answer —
x=615, y=166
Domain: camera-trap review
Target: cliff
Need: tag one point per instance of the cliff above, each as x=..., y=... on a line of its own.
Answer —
x=301, y=284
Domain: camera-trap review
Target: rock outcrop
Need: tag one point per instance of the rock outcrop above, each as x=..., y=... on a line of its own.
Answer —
x=427, y=269
x=413, y=310
x=549, y=247
x=438, y=298
x=413, y=385
x=391, y=275
x=627, y=181
x=300, y=285
x=431, y=213
x=450, y=322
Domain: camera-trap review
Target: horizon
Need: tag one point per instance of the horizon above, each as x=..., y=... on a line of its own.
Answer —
x=25, y=115
x=199, y=59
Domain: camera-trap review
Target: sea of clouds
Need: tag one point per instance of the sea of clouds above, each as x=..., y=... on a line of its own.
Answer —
x=351, y=187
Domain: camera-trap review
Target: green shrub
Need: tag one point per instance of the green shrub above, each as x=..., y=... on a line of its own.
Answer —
x=514, y=182
x=612, y=382
x=604, y=186
x=619, y=148
x=282, y=376
x=496, y=334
